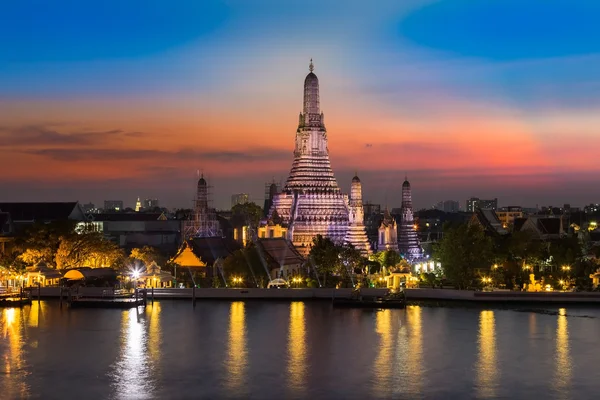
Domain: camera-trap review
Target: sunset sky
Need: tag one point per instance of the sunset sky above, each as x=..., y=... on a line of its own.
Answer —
x=118, y=99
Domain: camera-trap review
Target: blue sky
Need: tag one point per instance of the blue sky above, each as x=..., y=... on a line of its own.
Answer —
x=422, y=80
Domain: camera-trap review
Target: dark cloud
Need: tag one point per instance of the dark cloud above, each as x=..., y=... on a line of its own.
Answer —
x=47, y=135
x=80, y=154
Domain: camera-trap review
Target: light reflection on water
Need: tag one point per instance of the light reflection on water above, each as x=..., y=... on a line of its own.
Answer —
x=236, y=352
x=419, y=352
x=13, y=330
x=297, y=348
x=562, y=381
x=414, y=357
x=487, y=368
x=131, y=375
x=385, y=351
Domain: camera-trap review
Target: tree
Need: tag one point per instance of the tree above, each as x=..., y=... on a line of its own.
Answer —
x=248, y=214
x=246, y=263
x=147, y=255
x=87, y=249
x=462, y=251
x=324, y=255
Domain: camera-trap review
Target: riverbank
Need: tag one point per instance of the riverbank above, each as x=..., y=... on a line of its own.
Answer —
x=328, y=294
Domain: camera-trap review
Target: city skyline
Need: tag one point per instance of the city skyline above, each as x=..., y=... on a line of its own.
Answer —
x=137, y=109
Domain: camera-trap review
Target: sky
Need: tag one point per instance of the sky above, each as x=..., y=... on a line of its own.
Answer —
x=115, y=100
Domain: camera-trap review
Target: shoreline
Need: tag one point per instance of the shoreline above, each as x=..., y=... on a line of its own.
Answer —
x=327, y=294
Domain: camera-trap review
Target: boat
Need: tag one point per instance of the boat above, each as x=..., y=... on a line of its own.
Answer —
x=390, y=300
x=14, y=301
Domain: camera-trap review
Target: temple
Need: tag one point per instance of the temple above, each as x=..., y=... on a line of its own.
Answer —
x=311, y=203
x=357, y=233
x=408, y=241
x=203, y=222
x=388, y=234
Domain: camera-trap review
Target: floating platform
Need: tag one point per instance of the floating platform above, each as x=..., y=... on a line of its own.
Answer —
x=14, y=301
x=119, y=303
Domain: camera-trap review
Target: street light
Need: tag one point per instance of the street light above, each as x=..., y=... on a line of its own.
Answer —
x=566, y=268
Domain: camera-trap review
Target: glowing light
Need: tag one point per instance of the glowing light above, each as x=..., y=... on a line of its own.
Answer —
x=563, y=363
x=236, y=352
x=487, y=371
x=297, y=347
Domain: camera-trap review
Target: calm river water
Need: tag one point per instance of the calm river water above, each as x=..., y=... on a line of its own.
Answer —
x=279, y=350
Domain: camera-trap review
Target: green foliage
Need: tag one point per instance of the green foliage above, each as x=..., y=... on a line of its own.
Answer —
x=324, y=255
x=246, y=214
x=462, y=251
x=246, y=262
x=147, y=255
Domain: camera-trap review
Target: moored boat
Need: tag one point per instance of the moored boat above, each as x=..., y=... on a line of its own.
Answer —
x=390, y=300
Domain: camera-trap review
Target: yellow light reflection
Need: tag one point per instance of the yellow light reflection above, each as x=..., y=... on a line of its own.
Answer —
x=383, y=363
x=414, y=358
x=236, y=360
x=132, y=372
x=154, y=332
x=563, y=357
x=487, y=372
x=14, y=385
x=297, y=347
x=36, y=310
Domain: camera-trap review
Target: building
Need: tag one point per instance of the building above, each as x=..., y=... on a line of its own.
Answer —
x=113, y=205
x=239, y=198
x=357, y=234
x=138, y=205
x=281, y=258
x=271, y=190
x=203, y=256
x=592, y=209
x=24, y=214
x=408, y=239
x=449, y=206
x=488, y=220
x=7, y=230
x=507, y=215
x=150, y=204
x=474, y=203
x=311, y=202
x=204, y=222
x=388, y=233
x=543, y=227
x=130, y=230
x=90, y=208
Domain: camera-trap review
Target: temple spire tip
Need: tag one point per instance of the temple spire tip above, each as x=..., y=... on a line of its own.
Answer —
x=311, y=66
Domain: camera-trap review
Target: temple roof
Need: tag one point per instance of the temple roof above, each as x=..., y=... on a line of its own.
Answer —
x=280, y=252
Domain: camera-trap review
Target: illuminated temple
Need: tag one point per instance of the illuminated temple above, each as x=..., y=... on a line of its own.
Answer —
x=357, y=233
x=311, y=202
x=408, y=239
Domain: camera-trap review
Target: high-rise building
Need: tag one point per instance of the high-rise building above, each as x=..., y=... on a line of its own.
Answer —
x=150, y=204
x=449, y=206
x=311, y=202
x=408, y=238
x=357, y=234
x=138, y=205
x=475, y=203
x=113, y=205
x=239, y=198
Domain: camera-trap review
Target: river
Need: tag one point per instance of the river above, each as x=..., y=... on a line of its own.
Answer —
x=297, y=350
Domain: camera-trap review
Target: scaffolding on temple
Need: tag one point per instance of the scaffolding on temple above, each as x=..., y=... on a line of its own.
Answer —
x=271, y=190
x=203, y=221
